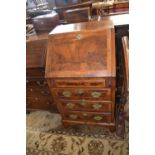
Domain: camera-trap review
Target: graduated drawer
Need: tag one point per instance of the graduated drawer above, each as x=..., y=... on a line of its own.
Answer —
x=82, y=93
x=102, y=82
x=87, y=117
x=85, y=105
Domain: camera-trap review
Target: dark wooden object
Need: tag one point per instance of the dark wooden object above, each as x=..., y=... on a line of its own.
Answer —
x=38, y=96
x=46, y=22
x=77, y=15
x=121, y=29
x=61, y=3
x=81, y=72
x=61, y=9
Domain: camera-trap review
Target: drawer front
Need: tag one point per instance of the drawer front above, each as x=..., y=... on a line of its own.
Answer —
x=32, y=92
x=38, y=103
x=88, y=117
x=37, y=83
x=85, y=105
x=103, y=83
x=71, y=93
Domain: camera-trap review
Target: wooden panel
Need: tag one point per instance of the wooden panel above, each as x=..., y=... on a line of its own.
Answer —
x=35, y=53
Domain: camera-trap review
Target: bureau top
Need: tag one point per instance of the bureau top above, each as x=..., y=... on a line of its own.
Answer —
x=81, y=50
x=82, y=27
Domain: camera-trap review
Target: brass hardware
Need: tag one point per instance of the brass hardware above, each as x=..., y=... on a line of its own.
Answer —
x=78, y=37
x=72, y=116
x=95, y=94
x=43, y=83
x=85, y=114
x=36, y=98
x=98, y=118
x=82, y=102
x=48, y=102
x=70, y=105
x=66, y=93
x=97, y=106
x=80, y=92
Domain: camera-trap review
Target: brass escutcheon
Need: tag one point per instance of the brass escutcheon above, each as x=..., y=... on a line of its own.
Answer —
x=78, y=37
x=80, y=92
x=85, y=114
x=72, y=116
x=82, y=102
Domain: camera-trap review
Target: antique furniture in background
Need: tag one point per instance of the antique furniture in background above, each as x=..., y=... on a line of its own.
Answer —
x=61, y=9
x=46, y=22
x=109, y=7
x=77, y=15
x=37, y=92
x=81, y=72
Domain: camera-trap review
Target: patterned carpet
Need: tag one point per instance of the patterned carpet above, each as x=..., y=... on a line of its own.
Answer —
x=47, y=136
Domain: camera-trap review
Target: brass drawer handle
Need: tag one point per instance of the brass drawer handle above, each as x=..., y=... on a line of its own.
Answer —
x=72, y=116
x=97, y=106
x=67, y=93
x=82, y=102
x=96, y=94
x=98, y=118
x=85, y=114
x=79, y=36
x=81, y=92
x=70, y=105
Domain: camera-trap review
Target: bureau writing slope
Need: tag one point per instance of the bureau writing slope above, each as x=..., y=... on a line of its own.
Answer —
x=81, y=72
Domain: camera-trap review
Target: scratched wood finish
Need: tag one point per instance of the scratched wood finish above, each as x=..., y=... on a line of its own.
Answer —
x=81, y=71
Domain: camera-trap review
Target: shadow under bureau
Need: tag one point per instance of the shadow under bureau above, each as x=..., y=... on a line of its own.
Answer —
x=81, y=72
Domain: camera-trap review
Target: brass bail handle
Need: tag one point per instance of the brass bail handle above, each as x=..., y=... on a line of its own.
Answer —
x=78, y=36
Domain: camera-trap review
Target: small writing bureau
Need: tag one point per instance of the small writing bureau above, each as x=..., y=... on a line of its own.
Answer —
x=81, y=72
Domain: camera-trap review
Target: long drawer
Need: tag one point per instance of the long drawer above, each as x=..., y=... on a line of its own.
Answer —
x=87, y=117
x=82, y=93
x=85, y=105
x=36, y=82
x=86, y=82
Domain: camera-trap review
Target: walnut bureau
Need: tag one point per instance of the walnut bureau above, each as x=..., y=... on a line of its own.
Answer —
x=81, y=72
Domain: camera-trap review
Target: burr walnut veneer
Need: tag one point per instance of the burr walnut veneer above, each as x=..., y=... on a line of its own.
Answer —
x=81, y=71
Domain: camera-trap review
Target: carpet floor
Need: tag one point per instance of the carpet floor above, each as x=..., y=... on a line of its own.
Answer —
x=47, y=136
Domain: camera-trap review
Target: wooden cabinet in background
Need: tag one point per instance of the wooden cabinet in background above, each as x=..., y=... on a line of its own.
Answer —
x=81, y=72
x=38, y=96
